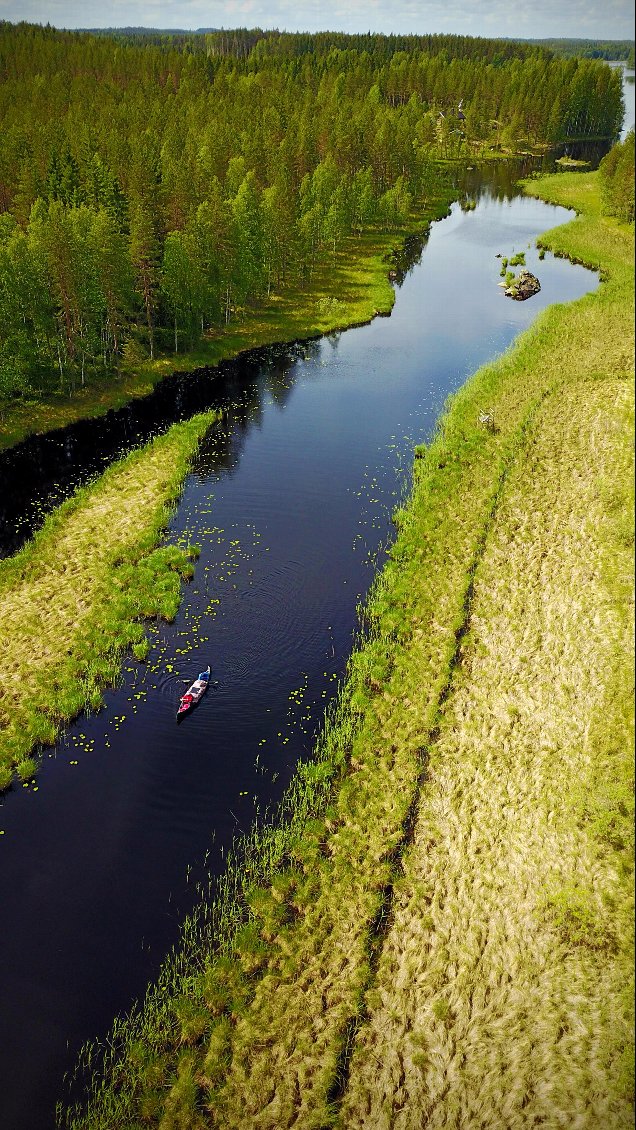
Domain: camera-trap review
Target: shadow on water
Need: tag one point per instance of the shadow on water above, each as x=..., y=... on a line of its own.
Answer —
x=499, y=180
x=39, y=473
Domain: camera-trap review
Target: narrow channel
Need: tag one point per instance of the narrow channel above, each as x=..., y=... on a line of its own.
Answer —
x=290, y=499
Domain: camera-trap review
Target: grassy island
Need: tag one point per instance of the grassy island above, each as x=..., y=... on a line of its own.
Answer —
x=74, y=598
x=86, y=582
x=442, y=932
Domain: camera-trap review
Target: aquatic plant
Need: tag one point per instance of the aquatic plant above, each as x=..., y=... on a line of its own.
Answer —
x=26, y=769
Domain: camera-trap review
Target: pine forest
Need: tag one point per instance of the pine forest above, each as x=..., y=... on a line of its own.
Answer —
x=151, y=189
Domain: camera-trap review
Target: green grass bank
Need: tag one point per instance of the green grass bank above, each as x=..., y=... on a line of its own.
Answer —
x=74, y=599
x=53, y=593
x=346, y=289
x=502, y=617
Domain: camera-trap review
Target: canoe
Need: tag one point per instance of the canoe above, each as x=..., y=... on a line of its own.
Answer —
x=194, y=693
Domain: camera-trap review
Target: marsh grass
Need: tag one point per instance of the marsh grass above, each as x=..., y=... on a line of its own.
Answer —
x=440, y=821
x=522, y=859
x=72, y=601
x=522, y=977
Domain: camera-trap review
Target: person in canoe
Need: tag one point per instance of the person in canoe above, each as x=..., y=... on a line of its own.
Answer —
x=194, y=693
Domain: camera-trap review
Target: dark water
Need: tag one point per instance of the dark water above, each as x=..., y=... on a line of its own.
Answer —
x=290, y=499
x=37, y=474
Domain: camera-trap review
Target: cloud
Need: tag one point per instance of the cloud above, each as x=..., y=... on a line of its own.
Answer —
x=611, y=19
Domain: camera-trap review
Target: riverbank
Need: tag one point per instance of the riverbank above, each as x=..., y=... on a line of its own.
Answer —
x=73, y=600
x=418, y=906
x=350, y=288
x=33, y=706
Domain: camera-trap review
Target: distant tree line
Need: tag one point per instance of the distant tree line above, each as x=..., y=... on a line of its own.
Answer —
x=149, y=192
x=611, y=49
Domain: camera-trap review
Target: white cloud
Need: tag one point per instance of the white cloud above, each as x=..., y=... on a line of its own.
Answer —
x=611, y=19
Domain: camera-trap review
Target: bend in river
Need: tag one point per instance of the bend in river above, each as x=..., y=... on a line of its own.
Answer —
x=291, y=500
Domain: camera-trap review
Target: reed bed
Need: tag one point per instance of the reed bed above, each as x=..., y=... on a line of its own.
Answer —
x=278, y=1017
x=74, y=598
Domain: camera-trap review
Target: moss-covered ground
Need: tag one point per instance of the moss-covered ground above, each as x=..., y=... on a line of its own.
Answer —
x=442, y=933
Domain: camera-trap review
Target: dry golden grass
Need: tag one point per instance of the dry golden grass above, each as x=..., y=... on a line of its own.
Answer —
x=63, y=581
x=504, y=952
x=59, y=614
x=287, y=1043
x=498, y=1000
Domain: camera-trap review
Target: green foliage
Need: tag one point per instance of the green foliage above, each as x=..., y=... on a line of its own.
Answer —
x=514, y=261
x=441, y=1009
x=180, y=1104
x=616, y=171
x=193, y=1019
x=590, y=48
x=155, y=193
x=217, y=1056
x=27, y=768
x=579, y=919
x=140, y=650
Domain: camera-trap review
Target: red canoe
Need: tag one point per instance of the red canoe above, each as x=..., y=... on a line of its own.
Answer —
x=194, y=693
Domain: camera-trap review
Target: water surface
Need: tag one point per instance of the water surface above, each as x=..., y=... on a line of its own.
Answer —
x=290, y=499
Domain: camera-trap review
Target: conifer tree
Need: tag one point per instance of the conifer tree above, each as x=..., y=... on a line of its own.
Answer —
x=144, y=255
x=177, y=179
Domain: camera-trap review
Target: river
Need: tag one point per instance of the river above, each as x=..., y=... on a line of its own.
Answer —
x=291, y=500
x=628, y=98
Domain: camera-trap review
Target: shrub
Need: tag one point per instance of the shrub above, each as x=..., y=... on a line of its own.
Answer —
x=578, y=918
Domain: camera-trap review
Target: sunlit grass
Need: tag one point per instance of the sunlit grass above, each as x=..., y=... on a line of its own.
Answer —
x=347, y=289
x=72, y=598
x=511, y=951
x=464, y=830
x=511, y=947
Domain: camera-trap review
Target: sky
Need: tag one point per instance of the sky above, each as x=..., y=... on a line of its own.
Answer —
x=532, y=19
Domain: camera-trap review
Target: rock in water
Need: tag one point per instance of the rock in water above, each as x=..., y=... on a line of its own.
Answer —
x=525, y=285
